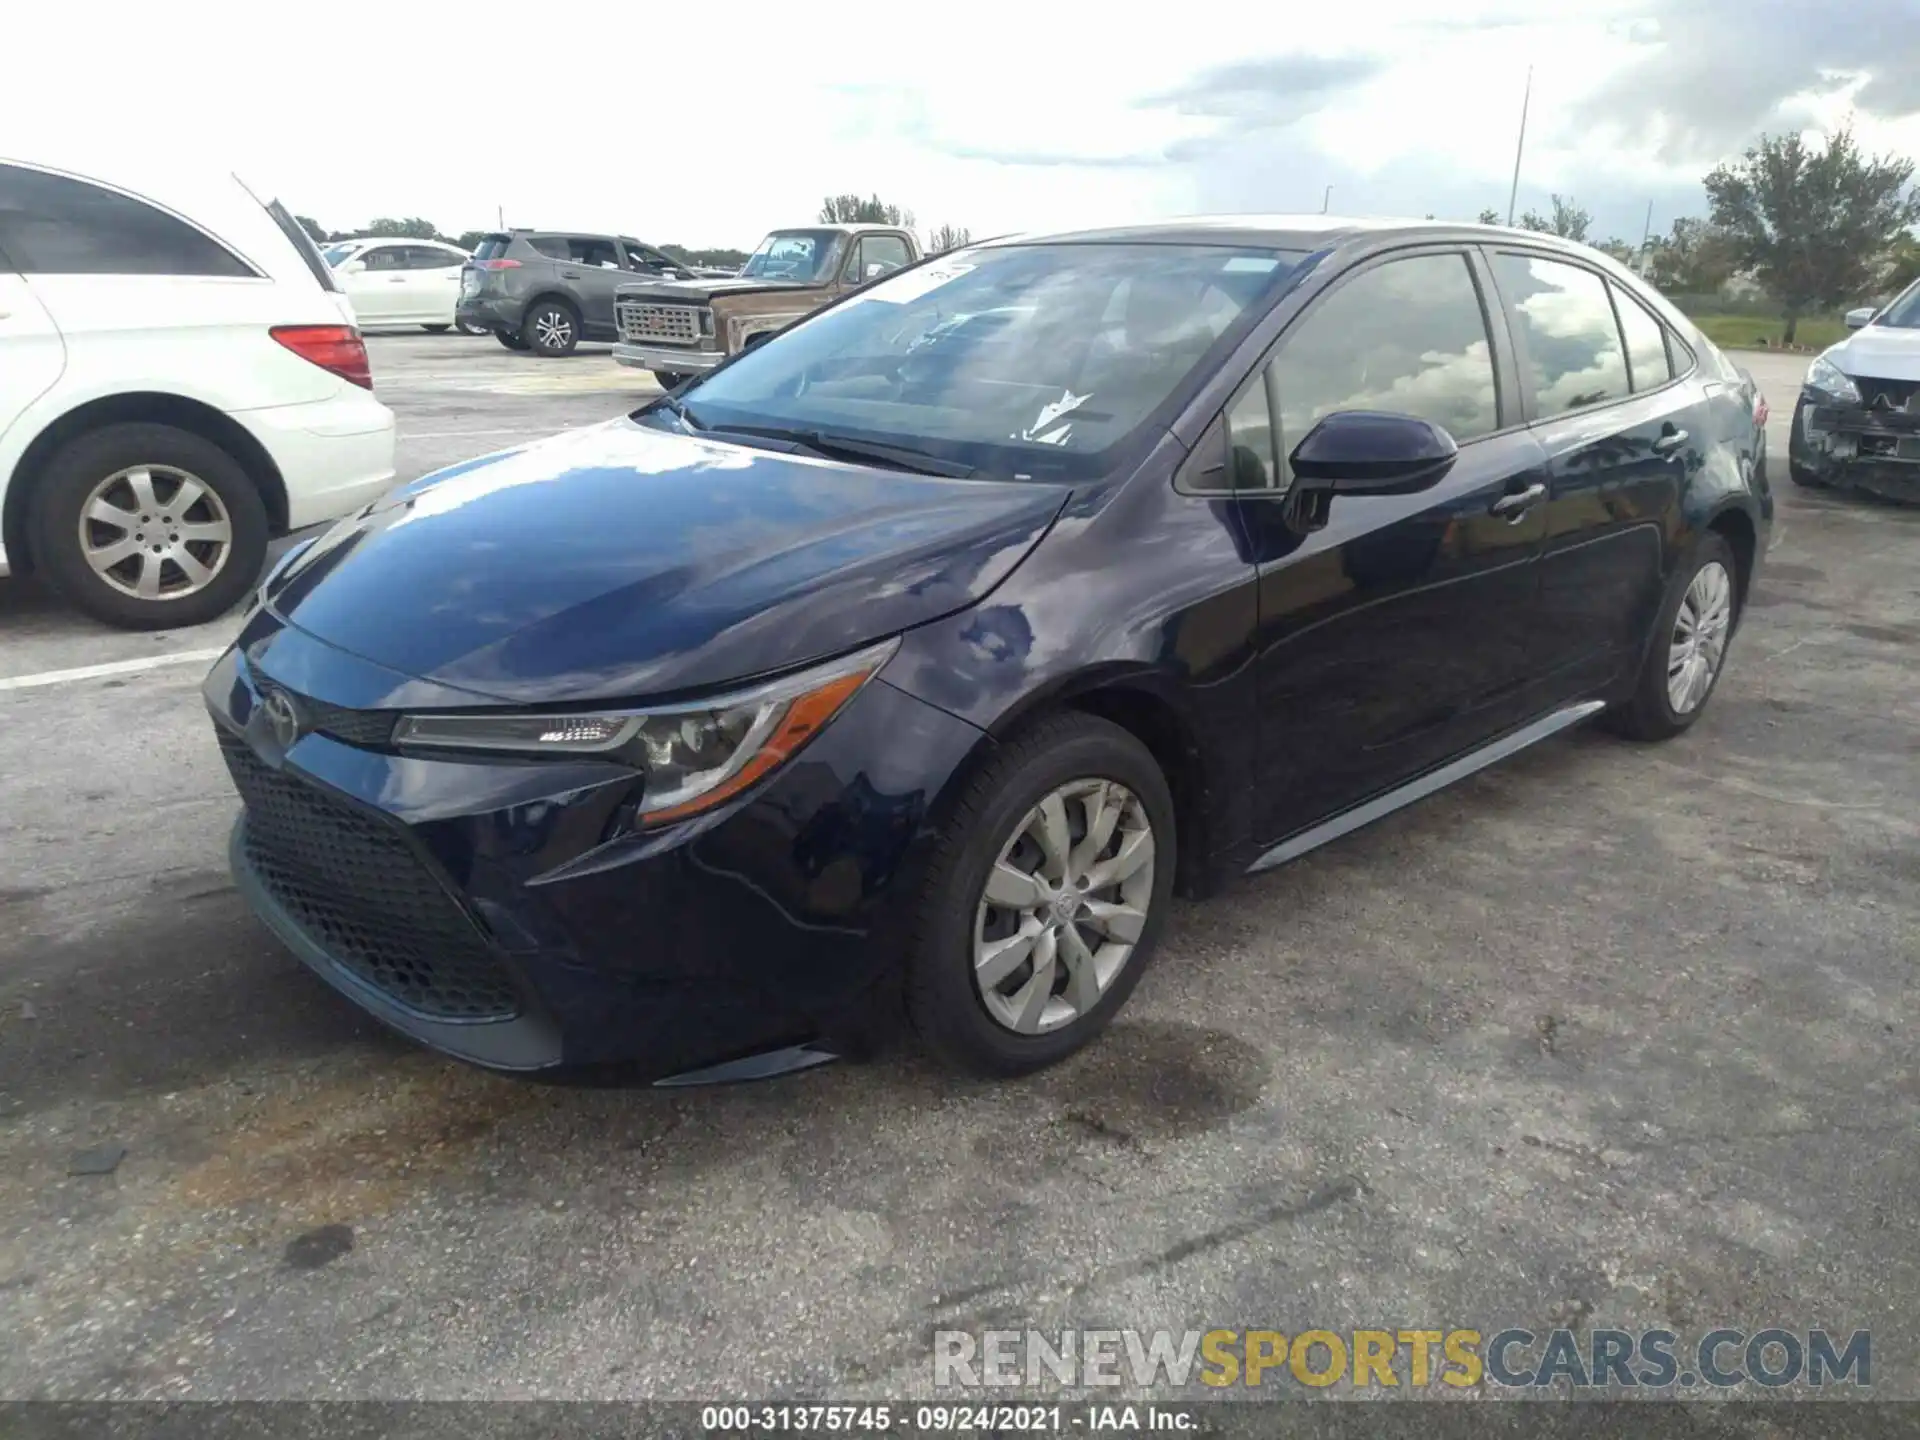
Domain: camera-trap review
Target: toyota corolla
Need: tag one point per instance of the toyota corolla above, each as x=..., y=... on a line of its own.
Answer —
x=913, y=659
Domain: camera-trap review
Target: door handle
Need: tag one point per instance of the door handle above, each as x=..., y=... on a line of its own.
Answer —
x=1670, y=440
x=396, y=280
x=1512, y=507
x=570, y=274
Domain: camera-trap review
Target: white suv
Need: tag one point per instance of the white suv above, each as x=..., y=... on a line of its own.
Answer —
x=180, y=380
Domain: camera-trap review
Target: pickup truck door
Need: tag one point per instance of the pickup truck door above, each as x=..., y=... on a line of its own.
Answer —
x=874, y=255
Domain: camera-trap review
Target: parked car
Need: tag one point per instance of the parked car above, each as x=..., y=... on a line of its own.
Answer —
x=681, y=328
x=180, y=379
x=547, y=290
x=925, y=649
x=401, y=282
x=1857, y=421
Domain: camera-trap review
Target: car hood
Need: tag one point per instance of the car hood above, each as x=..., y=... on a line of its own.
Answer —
x=623, y=562
x=706, y=289
x=1881, y=352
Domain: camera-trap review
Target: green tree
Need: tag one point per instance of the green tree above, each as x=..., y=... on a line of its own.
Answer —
x=852, y=210
x=469, y=240
x=1903, y=264
x=1617, y=248
x=948, y=237
x=1489, y=216
x=315, y=230
x=1693, y=258
x=1568, y=220
x=1812, y=224
x=412, y=228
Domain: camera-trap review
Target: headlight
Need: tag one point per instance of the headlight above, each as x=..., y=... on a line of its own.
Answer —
x=694, y=755
x=1828, y=379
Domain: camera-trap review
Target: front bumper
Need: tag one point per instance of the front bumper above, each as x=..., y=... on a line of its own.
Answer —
x=1853, y=447
x=500, y=911
x=668, y=358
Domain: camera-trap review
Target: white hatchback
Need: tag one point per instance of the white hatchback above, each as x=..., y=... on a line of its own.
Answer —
x=399, y=282
x=180, y=380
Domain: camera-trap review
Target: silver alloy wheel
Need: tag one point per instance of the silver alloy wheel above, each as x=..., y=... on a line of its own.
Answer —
x=1064, y=905
x=155, y=532
x=552, y=329
x=1699, y=637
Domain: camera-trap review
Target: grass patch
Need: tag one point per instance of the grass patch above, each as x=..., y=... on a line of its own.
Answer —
x=1750, y=332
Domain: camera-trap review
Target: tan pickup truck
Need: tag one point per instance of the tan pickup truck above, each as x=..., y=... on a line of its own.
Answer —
x=677, y=328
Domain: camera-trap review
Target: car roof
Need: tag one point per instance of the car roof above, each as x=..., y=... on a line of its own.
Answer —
x=1286, y=232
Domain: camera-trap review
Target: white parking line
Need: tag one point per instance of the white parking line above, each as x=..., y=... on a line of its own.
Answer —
x=113, y=667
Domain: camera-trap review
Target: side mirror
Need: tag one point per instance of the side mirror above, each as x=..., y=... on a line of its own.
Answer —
x=1859, y=319
x=353, y=267
x=1372, y=452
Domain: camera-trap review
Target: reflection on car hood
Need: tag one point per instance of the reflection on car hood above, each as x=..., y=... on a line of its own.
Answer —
x=620, y=561
x=698, y=290
x=1879, y=351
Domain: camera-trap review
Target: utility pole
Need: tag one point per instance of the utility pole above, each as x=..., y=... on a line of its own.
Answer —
x=1520, y=145
x=1646, y=236
x=500, y=217
x=1326, y=200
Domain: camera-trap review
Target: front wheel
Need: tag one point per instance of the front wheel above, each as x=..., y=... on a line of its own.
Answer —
x=671, y=379
x=1043, y=900
x=1689, y=646
x=551, y=328
x=148, y=526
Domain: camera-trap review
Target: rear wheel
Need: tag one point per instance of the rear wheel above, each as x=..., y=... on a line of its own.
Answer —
x=148, y=526
x=510, y=339
x=467, y=327
x=551, y=328
x=1689, y=646
x=1044, y=898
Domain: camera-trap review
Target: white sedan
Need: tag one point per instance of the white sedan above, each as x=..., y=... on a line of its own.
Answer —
x=399, y=282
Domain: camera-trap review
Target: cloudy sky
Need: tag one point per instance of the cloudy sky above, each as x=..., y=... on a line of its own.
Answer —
x=993, y=115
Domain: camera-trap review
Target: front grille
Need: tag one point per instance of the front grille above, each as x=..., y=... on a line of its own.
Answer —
x=365, y=728
x=665, y=324
x=1898, y=393
x=364, y=896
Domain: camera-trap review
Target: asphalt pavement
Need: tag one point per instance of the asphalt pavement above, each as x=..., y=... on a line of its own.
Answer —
x=1607, y=1035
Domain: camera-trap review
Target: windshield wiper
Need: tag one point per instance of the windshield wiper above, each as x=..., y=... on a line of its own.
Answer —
x=846, y=447
x=679, y=412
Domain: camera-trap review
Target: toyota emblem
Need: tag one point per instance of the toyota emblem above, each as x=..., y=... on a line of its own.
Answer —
x=283, y=717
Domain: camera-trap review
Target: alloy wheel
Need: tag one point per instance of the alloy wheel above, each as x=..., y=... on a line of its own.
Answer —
x=1063, y=906
x=552, y=330
x=155, y=532
x=1700, y=631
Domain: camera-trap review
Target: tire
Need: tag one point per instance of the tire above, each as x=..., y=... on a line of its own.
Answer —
x=467, y=327
x=1800, y=473
x=946, y=1006
x=1651, y=713
x=509, y=339
x=436, y=329
x=102, y=468
x=671, y=379
x=551, y=328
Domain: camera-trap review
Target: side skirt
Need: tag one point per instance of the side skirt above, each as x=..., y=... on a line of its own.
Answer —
x=1422, y=786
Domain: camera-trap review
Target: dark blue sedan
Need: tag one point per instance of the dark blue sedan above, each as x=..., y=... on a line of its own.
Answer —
x=912, y=659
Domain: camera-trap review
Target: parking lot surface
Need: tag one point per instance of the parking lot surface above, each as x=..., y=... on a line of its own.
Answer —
x=1607, y=1035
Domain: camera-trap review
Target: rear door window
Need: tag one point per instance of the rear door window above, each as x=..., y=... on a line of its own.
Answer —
x=554, y=247
x=593, y=251
x=56, y=225
x=1572, y=354
x=1647, y=361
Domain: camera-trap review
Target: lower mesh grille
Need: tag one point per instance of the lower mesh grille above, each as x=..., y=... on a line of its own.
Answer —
x=361, y=893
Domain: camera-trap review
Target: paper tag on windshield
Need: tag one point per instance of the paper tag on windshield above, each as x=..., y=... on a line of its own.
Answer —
x=915, y=283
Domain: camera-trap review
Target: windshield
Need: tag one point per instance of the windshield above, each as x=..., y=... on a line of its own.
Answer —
x=800, y=255
x=1025, y=360
x=334, y=254
x=1904, y=312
